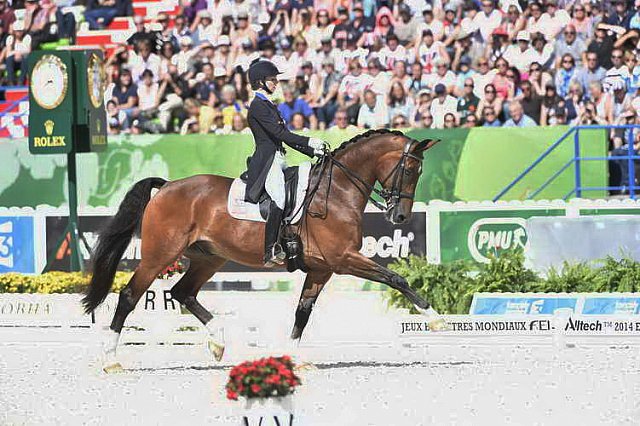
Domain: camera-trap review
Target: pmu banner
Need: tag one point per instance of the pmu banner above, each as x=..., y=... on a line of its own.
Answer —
x=17, y=245
x=383, y=242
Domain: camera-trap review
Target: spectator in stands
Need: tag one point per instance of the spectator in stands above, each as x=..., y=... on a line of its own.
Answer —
x=442, y=104
x=144, y=59
x=622, y=149
x=380, y=79
x=125, y=94
x=291, y=105
x=551, y=104
x=565, y=74
x=601, y=46
x=39, y=22
x=569, y=44
x=200, y=118
x=399, y=102
x=490, y=99
x=351, y=90
x=487, y=20
x=166, y=33
x=450, y=121
x=490, y=117
x=468, y=102
x=530, y=101
x=602, y=101
x=442, y=76
x=582, y=22
x=172, y=88
x=327, y=104
x=298, y=123
x=418, y=81
x=16, y=54
x=239, y=125
x=341, y=121
x=141, y=33
x=518, y=118
x=117, y=121
x=373, y=112
x=470, y=122
x=100, y=13
x=229, y=106
x=7, y=17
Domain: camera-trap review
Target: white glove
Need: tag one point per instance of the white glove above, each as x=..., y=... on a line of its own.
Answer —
x=319, y=146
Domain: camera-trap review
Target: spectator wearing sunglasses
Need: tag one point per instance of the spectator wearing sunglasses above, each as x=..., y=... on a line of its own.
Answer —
x=490, y=118
x=569, y=43
x=468, y=102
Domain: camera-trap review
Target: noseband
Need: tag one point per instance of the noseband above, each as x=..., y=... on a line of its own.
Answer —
x=391, y=196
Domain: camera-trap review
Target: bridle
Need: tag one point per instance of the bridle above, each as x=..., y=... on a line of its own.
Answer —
x=391, y=196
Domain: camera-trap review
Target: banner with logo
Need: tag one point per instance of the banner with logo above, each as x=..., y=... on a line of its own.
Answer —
x=470, y=165
x=522, y=304
x=383, y=242
x=476, y=231
x=17, y=244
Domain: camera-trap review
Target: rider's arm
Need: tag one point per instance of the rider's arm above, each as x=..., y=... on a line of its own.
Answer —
x=269, y=122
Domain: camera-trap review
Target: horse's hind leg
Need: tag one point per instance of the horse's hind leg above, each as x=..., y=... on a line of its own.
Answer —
x=186, y=290
x=313, y=285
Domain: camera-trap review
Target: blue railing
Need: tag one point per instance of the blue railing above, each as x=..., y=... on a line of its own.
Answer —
x=576, y=161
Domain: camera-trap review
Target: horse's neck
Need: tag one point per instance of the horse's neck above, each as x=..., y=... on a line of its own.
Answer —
x=361, y=159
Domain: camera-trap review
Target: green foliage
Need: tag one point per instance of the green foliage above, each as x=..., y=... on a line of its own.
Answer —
x=54, y=282
x=450, y=287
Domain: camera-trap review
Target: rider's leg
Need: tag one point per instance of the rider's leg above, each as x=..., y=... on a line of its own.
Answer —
x=273, y=252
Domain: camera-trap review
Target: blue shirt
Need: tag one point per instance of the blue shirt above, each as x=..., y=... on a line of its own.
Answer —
x=495, y=123
x=299, y=105
x=525, y=121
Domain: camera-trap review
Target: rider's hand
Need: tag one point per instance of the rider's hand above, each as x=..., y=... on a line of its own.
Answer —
x=319, y=146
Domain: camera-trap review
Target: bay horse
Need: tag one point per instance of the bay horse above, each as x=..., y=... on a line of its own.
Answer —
x=189, y=217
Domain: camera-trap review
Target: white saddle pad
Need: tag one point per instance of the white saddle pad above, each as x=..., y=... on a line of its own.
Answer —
x=240, y=209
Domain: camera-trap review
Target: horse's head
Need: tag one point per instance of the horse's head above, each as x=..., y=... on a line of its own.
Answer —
x=398, y=172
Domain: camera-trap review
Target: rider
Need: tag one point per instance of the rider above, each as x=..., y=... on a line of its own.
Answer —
x=268, y=162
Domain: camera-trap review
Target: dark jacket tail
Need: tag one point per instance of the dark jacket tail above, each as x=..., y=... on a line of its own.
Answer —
x=114, y=240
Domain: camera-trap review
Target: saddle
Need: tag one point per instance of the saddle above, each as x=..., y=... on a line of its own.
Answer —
x=296, y=183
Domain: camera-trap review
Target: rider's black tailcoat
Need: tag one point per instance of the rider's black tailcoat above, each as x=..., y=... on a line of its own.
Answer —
x=269, y=131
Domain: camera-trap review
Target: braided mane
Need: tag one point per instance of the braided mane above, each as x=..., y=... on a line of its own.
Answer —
x=366, y=135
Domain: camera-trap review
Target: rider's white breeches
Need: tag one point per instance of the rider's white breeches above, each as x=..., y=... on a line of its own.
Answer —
x=274, y=185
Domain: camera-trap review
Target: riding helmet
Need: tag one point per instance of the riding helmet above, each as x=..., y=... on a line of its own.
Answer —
x=261, y=70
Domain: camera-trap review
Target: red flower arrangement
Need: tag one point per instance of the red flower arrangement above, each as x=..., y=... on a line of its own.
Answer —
x=175, y=268
x=266, y=377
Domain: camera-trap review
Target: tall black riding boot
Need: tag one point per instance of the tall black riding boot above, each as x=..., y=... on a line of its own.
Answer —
x=273, y=252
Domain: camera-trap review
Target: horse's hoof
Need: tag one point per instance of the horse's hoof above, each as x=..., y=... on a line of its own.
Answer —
x=434, y=319
x=113, y=368
x=215, y=349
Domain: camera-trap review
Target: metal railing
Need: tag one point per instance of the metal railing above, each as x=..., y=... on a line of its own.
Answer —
x=577, y=160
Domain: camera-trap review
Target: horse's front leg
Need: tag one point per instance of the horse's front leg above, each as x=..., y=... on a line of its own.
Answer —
x=313, y=285
x=354, y=263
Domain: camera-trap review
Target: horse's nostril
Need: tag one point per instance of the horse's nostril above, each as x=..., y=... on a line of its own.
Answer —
x=401, y=218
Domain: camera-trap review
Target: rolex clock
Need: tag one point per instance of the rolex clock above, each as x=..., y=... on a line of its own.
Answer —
x=90, y=116
x=49, y=81
x=96, y=79
x=51, y=103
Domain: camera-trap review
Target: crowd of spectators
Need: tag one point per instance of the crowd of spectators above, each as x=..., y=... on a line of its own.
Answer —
x=362, y=64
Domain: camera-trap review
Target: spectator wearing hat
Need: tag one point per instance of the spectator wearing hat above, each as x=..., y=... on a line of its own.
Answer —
x=341, y=121
x=16, y=54
x=520, y=54
x=384, y=24
x=184, y=60
x=430, y=23
x=467, y=103
x=490, y=117
x=498, y=44
x=442, y=104
x=291, y=105
x=450, y=20
x=399, y=102
x=487, y=20
x=203, y=28
x=429, y=51
x=327, y=103
x=530, y=100
x=405, y=27
x=373, y=112
x=590, y=73
x=569, y=43
x=464, y=46
x=518, y=118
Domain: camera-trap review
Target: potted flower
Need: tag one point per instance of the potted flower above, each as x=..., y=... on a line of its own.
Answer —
x=267, y=385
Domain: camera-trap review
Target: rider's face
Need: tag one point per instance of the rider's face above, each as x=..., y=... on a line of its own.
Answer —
x=272, y=83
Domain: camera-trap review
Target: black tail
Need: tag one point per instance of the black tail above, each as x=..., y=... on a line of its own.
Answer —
x=115, y=238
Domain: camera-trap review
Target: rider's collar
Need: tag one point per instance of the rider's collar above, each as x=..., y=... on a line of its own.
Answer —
x=262, y=94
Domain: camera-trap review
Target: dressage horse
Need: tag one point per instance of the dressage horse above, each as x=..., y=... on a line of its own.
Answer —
x=189, y=217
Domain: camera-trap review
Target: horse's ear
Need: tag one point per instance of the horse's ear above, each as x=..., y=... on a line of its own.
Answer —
x=426, y=144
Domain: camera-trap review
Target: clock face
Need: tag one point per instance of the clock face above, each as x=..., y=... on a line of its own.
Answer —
x=95, y=83
x=49, y=81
